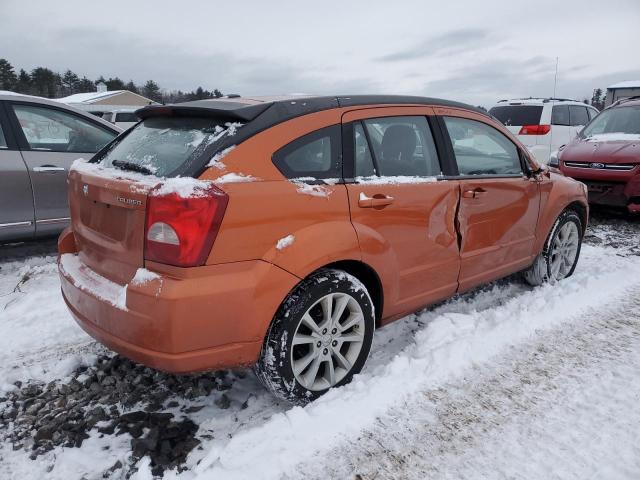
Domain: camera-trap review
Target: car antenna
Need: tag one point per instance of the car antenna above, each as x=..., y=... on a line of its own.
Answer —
x=555, y=80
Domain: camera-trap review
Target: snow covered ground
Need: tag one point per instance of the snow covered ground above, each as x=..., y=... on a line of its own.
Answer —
x=507, y=381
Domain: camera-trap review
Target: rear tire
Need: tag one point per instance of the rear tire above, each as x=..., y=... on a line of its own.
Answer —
x=561, y=251
x=319, y=338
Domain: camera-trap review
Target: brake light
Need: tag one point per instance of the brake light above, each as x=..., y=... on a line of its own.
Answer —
x=181, y=231
x=535, y=130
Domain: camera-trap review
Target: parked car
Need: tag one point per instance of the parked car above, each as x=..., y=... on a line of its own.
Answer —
x=123, y=117
x=39, y=139
x=543, y=124
x=606, y=156
x=313, y=221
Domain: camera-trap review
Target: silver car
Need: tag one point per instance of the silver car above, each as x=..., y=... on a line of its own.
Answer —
x=39, y=139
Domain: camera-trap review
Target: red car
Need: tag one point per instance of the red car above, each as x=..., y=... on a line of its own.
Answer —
x=606, y=156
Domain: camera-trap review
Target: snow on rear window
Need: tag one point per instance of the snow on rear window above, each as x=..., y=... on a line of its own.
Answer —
x=164, y=146
x=518, y=115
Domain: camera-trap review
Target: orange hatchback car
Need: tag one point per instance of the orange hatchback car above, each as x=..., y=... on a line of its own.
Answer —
x=281, y=232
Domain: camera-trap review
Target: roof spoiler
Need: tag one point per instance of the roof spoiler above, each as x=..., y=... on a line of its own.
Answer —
x=205, y=108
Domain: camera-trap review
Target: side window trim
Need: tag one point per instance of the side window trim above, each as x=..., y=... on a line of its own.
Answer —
x=333, y=131
x=7, y=128
x=22, y=141
x=374, y=156
x=445, y=148
x=455, y=175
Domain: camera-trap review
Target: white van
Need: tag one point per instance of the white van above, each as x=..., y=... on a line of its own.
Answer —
x=124, y=118
x=543, y=124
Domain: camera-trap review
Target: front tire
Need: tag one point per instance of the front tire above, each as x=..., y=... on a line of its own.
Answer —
x=319, y=338
x=561, y=251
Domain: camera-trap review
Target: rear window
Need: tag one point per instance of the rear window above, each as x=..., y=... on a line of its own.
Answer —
x=518, y=115
x=164, y=146
x=126, y=117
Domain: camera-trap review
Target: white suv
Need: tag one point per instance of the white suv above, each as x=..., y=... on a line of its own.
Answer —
x=543, y=124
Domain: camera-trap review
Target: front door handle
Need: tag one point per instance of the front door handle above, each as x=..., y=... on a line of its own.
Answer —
x=48, y=168
x=377, y=201
x=475, y=193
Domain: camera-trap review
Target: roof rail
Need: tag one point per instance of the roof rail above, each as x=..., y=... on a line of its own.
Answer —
x=624, y=100
x=544, y=99
x=549, y=99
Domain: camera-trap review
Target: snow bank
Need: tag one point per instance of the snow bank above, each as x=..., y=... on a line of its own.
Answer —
x=285, y=242
x=456, y=337
x=39, y=339
x=614, y=137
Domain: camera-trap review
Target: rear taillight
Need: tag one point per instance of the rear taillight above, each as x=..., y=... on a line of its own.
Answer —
x=534, y=130
x=181, y=231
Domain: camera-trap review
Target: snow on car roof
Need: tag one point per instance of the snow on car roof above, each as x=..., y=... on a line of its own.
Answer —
x=625, y=84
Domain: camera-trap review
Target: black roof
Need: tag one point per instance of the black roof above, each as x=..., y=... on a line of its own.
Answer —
x=282, y=109
x=259, y=114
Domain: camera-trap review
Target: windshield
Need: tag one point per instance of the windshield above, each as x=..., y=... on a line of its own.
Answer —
x=616, y=120
x=164, y=146
x=517, y=115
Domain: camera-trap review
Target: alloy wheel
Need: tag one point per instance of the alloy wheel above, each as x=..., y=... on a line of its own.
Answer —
x=564, y=250
x=327, y=341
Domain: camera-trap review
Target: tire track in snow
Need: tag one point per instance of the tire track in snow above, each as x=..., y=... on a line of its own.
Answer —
x=563, y=406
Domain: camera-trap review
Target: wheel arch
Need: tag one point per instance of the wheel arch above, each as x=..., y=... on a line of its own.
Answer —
x=583, y=212
x=369, y=277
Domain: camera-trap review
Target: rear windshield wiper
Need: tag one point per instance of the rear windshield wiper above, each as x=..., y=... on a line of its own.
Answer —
x=131, y=166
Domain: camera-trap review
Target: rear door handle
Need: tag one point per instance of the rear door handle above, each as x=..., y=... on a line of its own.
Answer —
x=48, y=168
x=377, y=201
x=475, y=193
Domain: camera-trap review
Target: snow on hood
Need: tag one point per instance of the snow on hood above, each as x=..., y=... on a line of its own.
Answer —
x=613, y=137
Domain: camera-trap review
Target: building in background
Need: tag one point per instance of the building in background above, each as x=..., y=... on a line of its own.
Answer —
x=103, y=101
x=630, y=88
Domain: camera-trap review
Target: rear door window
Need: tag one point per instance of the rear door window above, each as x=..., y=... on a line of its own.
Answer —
x=164, y=146
x=560, y=115
x=518, y=115
x=402, y=146
x=481, y=149
x=54, y=130
x=592, y=113
x=578, y=115
x=317, y=155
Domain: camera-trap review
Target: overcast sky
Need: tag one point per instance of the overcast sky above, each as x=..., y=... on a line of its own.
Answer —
x=473, y=51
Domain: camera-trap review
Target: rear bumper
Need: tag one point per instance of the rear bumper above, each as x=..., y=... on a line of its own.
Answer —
x=213, y=320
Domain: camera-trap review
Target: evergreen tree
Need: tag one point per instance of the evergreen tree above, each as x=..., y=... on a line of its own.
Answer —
x=85, y=86
x=131, y=87
x=24, y=83
x=70, y=82
x=217, y=93
x=115, y=84
x=8, y=77
x=151, y=90
x=597, y=99
x=45, y=82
